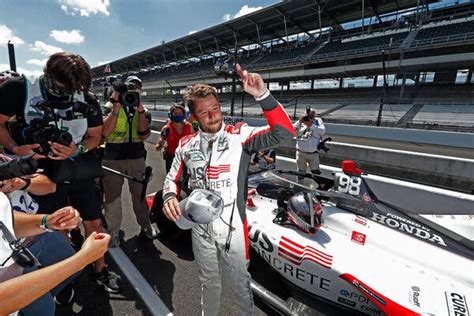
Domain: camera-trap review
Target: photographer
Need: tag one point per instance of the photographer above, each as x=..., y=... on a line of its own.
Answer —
x=125, y=130
x=172, y=132
x=309, y=131
x=60, y=96
x=263, y=160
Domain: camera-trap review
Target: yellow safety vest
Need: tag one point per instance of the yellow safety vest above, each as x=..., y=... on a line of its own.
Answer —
x=121, y=133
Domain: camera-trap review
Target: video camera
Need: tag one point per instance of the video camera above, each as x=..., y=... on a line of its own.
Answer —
x=128, y=97
x=41, y=130
x=322, y=144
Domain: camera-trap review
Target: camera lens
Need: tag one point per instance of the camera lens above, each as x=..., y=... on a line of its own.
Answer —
x=130, y=99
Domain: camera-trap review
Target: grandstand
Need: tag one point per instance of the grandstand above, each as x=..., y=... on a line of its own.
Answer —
x=330, y=54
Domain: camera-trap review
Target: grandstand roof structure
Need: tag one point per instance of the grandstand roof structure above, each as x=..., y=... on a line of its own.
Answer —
x=275, y=22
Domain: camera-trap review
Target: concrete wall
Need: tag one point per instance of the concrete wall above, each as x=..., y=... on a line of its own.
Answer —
x=418, y=198
x=442, y=138
x=448, y=172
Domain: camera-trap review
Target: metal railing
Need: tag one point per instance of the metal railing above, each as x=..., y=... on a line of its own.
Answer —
x=443, y=40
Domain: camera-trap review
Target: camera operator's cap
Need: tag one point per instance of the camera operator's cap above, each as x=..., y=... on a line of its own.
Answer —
x=201, y=207
x=131, y=79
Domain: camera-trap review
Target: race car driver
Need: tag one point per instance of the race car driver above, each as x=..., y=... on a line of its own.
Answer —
x=217, y=158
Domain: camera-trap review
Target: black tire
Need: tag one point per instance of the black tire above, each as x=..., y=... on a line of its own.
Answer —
x=166, y=227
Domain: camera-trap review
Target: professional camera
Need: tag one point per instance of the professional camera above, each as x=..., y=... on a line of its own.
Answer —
x=322, y=144
x=44, y=129
x=18, y=168
x=41, y=132
x=128, y=97
x=225, y=67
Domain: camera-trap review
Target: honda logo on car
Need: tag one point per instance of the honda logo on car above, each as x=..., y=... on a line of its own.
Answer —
x=457, y=304
x=407, y=226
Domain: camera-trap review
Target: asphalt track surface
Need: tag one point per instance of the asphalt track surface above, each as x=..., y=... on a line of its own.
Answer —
x=168, y=267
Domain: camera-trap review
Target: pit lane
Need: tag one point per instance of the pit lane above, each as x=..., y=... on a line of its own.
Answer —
x=168, y=267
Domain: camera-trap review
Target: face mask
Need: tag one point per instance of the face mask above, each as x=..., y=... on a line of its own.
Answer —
x=177, y=118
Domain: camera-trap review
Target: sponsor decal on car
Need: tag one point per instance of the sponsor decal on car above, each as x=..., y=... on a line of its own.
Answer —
x=407, y=226
x=345, y=301
x=370, y=309
x=264, y=246
x=387, y=306
x=414, y=296
x=354, y=296
x=457, y=304
x=358, y=238
x=366, y=290
x=296, y=253
x=361, y=220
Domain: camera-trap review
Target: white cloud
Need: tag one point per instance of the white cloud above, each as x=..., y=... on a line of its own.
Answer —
x=192, y=32
x=103, y=62
x=30, y=74
x=37, y=62
x=243, y=11
x=67, y=37
x=44, y=48
x=85, y=7
x=6, y=35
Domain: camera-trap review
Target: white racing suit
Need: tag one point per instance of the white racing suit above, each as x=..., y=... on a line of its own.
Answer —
x=219, y=162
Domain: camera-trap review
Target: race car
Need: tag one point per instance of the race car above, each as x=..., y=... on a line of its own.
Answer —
x=348, y=247
x=334, y=239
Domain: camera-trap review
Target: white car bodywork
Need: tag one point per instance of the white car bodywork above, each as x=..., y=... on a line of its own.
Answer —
x=376, y=261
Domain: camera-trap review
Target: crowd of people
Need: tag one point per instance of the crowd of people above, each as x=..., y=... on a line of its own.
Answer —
x=41, y=213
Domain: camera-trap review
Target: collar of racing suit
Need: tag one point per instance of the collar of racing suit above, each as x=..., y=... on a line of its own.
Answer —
x=207, y=138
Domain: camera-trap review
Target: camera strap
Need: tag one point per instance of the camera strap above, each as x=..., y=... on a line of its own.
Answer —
x=17, y=248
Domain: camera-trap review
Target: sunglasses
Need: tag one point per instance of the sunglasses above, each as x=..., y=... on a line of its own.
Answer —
x=20, y=254
x=55, y=88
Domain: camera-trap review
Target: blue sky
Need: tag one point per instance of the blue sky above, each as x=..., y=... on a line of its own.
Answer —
x=104, y=30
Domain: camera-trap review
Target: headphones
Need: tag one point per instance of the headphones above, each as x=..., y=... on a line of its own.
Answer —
x=179, y=105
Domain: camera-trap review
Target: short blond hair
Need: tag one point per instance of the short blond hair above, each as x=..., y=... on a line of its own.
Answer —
x=198, y=91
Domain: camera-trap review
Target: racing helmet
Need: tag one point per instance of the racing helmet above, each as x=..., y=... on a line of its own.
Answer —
x=299, y=212
x=200, y=207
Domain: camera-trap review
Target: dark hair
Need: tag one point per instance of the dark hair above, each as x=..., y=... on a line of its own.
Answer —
x=178, y=105
x=71, y=70
x=198, y=91
x=307, y=118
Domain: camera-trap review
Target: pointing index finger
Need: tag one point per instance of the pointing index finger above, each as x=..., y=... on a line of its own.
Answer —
x=240, y=71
